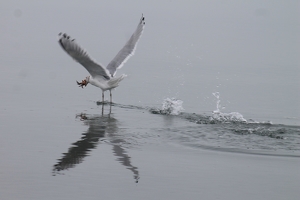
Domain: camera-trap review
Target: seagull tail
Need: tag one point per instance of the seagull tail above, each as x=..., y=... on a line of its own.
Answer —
x=114, y=82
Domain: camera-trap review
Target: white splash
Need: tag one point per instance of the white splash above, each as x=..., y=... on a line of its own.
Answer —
x=171, y=106
x=225, y=117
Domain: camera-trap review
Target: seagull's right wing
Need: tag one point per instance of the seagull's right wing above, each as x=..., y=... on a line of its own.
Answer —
x=128, y=50
x=81, y=56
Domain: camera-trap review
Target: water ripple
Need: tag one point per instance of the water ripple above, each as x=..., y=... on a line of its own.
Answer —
x=227, y=131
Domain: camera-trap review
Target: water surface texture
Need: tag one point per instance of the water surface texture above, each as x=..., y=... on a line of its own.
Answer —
x=209, y=110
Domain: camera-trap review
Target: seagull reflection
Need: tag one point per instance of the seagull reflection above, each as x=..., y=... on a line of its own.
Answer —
x=99, y=125
x=103, y=103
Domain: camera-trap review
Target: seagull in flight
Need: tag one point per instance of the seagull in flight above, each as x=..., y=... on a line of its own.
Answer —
x=102, y=77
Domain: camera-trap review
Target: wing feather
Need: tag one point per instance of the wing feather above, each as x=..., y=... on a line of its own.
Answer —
x=81, y=56
x=128, y=50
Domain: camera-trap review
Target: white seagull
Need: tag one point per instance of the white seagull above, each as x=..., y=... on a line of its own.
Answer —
x=100, y=76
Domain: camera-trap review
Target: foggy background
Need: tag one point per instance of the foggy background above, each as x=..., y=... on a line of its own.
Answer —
x=246, y=50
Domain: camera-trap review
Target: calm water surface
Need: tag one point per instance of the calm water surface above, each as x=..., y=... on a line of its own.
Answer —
x=210, y=107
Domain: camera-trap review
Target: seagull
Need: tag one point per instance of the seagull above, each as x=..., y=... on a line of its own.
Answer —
x=100, y=76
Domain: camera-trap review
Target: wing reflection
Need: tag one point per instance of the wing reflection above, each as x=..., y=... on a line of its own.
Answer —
x=124, y=159
x=99, y=125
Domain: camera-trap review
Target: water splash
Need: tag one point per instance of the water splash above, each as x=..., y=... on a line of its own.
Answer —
x=170, y=106
x=224, y=131
x=218, y=116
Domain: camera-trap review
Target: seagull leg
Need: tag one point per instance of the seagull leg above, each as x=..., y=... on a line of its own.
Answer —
x=110, y=97
x=102, y=97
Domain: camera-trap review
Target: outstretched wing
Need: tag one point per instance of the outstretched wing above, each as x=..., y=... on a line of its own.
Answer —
x=128, y=50
x=81, y=56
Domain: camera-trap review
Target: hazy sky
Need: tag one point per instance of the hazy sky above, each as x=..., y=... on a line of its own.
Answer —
x=219, y=32
x=205, y=38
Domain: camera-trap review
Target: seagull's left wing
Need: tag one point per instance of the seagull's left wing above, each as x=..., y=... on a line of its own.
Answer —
x=128, y=50
x=81, y=56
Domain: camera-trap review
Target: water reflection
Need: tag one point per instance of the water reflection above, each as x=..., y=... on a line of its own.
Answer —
x=104, y=103
x=101, y=128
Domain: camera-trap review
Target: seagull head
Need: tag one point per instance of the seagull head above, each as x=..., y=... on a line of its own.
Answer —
x=87, y=80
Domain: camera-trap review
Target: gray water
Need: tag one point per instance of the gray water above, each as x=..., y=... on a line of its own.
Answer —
x=210, y=107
